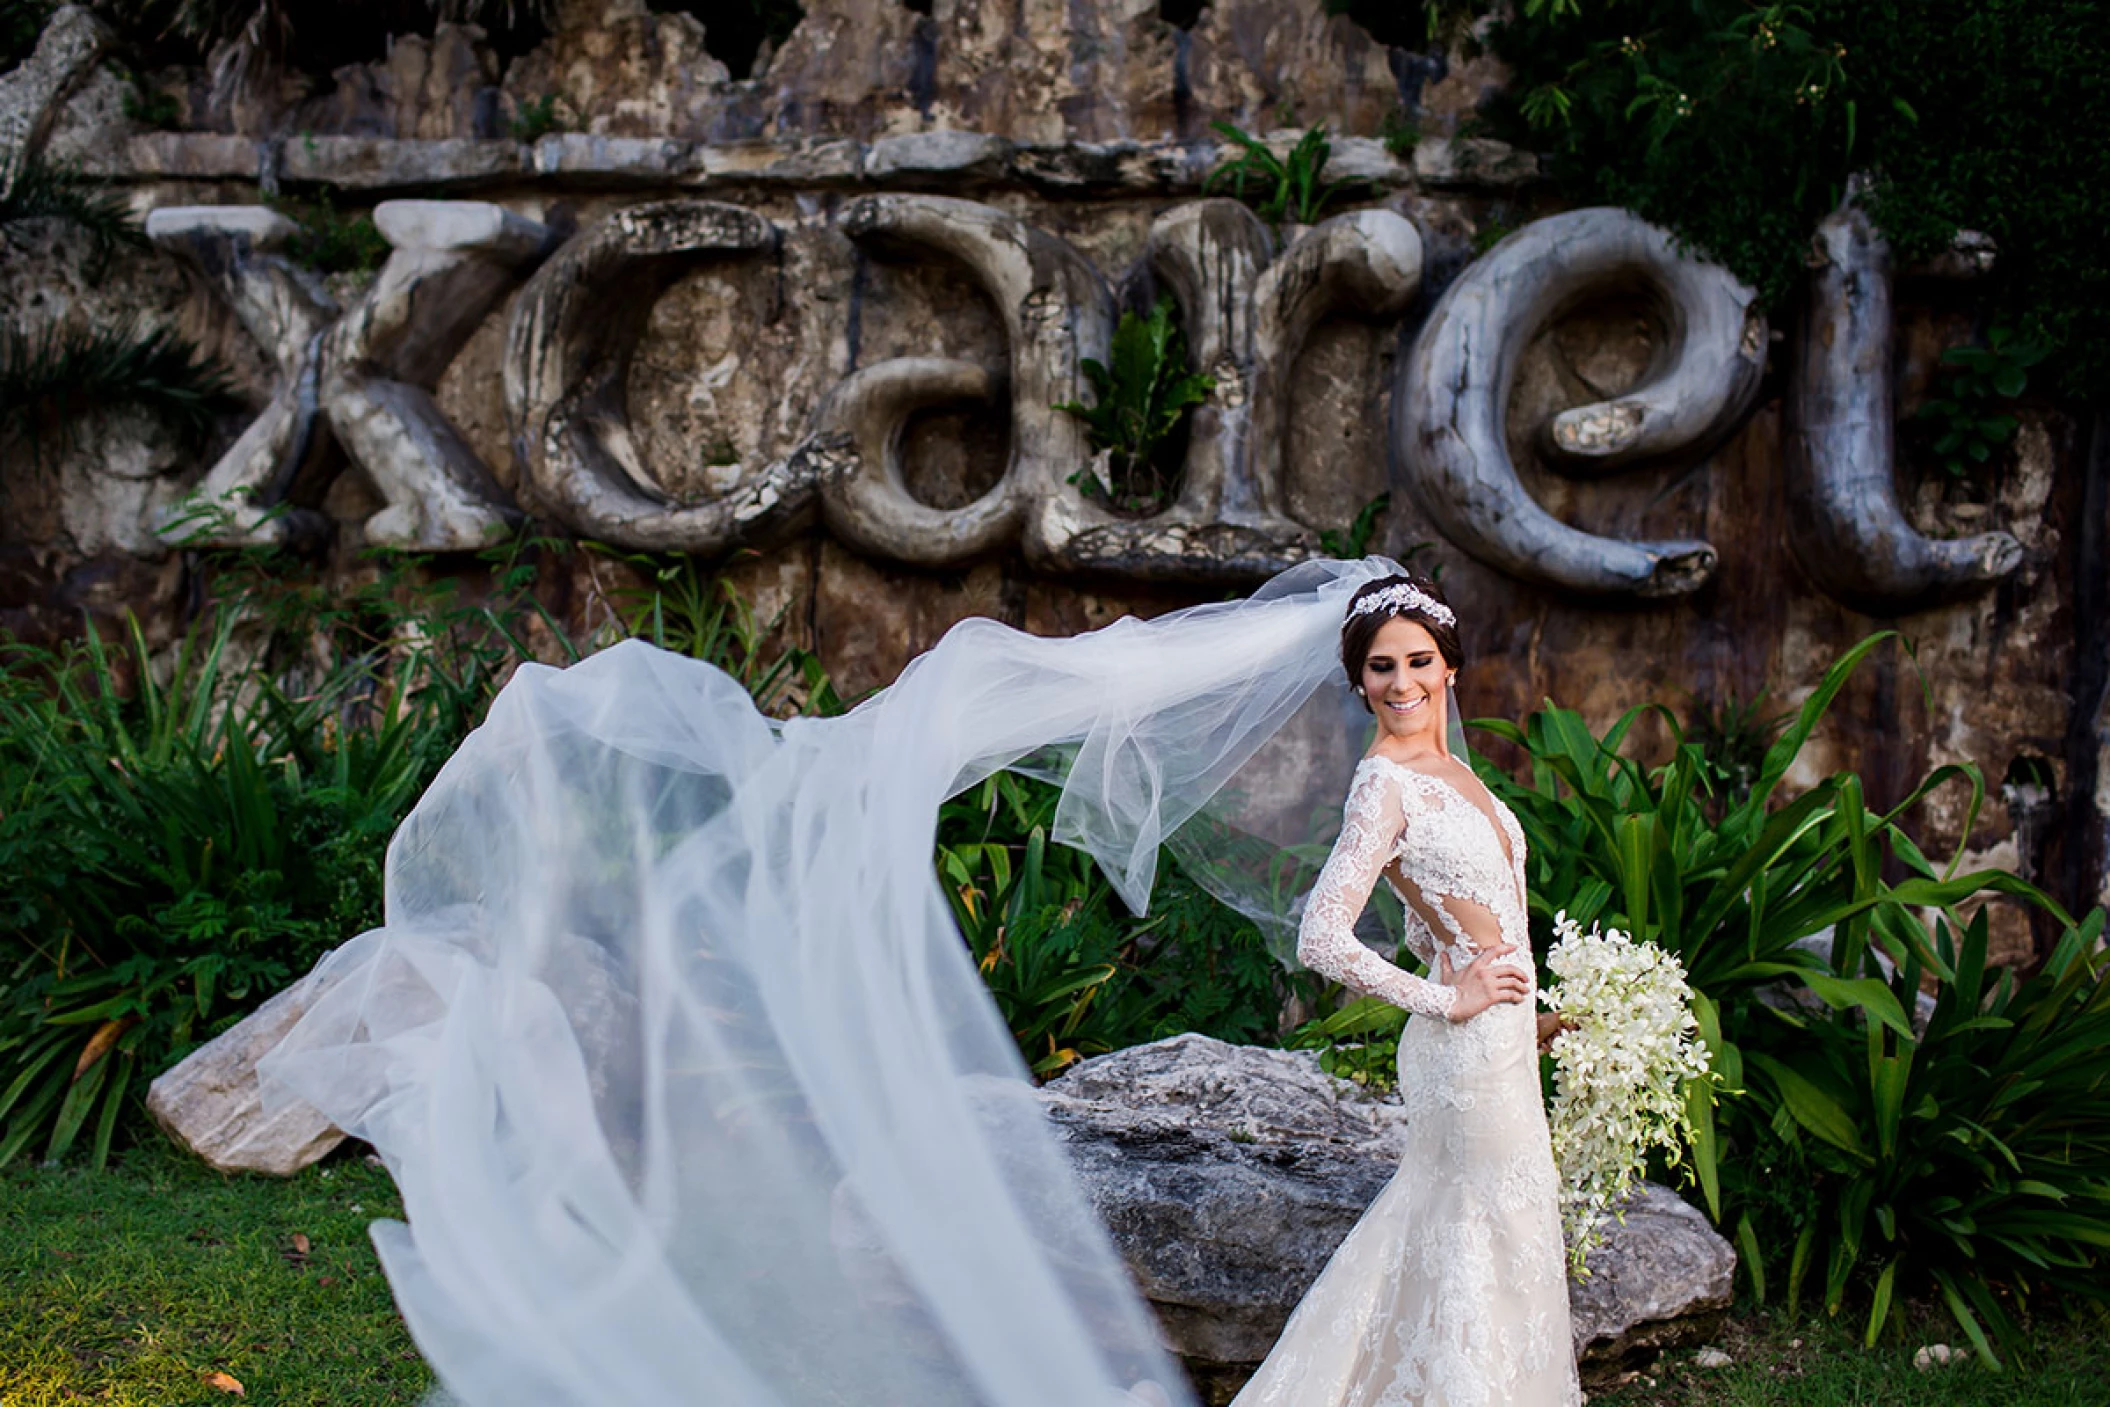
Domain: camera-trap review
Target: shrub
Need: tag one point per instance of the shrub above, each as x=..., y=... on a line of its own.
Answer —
x=1073, y=973
x=174, y=853
x=176, y=845
x=1971, y=1159
x=1959, y=1161
x=1637, y=849
x=1738, y=125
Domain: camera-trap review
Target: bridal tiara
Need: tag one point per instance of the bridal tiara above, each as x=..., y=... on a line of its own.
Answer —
x=1403, y=596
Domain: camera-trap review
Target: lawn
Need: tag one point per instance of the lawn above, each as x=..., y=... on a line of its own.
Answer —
x=159, y=1283
x=1775, y=1362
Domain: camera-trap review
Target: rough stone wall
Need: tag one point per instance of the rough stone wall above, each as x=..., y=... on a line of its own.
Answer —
x=1085, y=121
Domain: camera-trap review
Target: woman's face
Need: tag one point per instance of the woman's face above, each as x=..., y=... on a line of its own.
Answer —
x=1403, y=679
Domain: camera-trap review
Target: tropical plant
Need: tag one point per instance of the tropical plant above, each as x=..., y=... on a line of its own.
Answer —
x=1142, y=398
x=678, y=606
x=173, y=852
x=51, y=377
x=1962, y=415
x=1355, y=541
x=1733, y=737
x=42, y=191
x=330, y=241
x=1279, y=188
x=1358, y=1040
x=1970, y=1158
x=1634, y=847
x=1073, y=973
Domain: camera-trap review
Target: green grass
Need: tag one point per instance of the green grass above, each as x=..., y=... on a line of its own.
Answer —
x=1779, y=1362
x=133, y=1286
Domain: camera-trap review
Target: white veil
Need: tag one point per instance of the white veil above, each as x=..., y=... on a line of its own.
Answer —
x=691, y=1089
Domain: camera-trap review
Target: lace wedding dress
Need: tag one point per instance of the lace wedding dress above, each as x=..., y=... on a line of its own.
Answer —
x=1452, y=1289
x=694, y=1093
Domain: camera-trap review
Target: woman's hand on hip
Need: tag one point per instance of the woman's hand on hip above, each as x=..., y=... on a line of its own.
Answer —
x=1483, y=983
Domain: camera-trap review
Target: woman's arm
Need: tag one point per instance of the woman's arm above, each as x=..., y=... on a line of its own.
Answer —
x=1326, y=941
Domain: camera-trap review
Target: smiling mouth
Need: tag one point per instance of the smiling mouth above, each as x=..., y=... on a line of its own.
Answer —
x=1408, y=707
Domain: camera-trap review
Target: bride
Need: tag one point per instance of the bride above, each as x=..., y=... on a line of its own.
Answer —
x=1452, y=1289
x=694, y=1095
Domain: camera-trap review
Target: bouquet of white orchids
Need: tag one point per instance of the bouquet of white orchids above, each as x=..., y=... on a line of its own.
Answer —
x=1627, y=1051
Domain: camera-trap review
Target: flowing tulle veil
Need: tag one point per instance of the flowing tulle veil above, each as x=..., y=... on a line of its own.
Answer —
x=669, y=1040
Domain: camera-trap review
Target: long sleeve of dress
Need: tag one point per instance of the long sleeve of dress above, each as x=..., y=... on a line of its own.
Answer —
x=1326, y=941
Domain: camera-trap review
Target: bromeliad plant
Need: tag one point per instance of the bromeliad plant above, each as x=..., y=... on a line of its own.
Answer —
x=1142, y=399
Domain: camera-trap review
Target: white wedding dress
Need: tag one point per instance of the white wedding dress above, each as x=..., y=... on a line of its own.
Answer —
x=694, y=1093
x=1452, y=1290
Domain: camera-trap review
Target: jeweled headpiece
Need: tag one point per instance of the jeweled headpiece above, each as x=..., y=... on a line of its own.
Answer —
x=1403, y=596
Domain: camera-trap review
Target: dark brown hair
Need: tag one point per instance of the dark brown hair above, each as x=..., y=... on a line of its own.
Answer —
x=1357, y=631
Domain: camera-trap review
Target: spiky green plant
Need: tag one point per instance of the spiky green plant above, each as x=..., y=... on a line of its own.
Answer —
x=46, y=192
x=52, y=376
x=1279, y=188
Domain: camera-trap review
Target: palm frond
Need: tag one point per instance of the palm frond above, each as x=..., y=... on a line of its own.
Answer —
x=45, y=192
x=50, y=377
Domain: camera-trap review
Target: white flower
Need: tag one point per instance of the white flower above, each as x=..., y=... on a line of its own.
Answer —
x=1621, y=1072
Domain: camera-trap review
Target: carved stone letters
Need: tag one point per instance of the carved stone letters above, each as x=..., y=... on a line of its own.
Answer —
x=1845, y=524
x=234, y=249
x=452, y=263
x=1454, y=396
x=568, y=351
x=367, y=376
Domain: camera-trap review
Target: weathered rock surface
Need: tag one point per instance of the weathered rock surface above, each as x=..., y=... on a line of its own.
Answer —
x=1228, y=1175
x=210, y=1103
x=1662, y=1279
x=32, y=92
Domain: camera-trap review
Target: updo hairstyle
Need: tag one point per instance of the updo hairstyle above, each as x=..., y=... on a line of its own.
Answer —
x=1358, y=631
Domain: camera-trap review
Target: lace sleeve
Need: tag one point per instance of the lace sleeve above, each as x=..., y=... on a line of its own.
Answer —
x=1326, y=941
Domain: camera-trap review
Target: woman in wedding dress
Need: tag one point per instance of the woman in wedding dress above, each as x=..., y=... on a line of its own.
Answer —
x=693, y=1093
x=1451, y=1291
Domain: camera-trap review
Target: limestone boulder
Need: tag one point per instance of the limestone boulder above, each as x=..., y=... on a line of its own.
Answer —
x=211, y=1104
x=1228, y=1175
x=1663, y=1278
